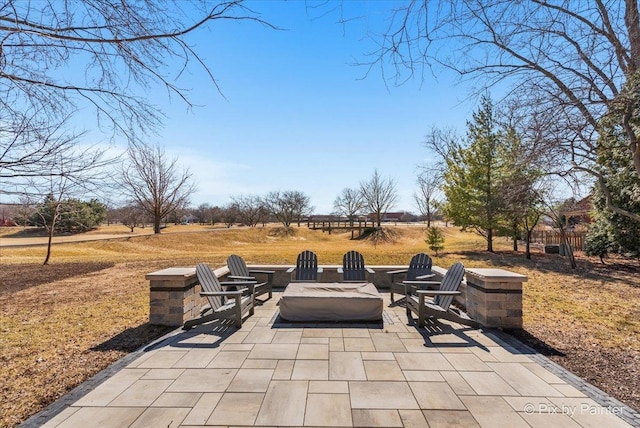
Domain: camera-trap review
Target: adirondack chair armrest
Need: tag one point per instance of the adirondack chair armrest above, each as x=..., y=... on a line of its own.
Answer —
x=438, y=293
x=291, y=269
x=245, y=278
x=221, y=293
x=236, y=283
x=427, y=276
x=417, y=283
x=394, y=273
x=267, y=272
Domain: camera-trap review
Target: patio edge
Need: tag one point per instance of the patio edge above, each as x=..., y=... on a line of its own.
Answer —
x=628, y=414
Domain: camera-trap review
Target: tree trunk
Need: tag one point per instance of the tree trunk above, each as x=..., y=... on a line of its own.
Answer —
x=50, y=238
x=632, y=22
x=54, y=219
x=528, y=245
x=156, y=225
x=490, y=240
x=567, y=246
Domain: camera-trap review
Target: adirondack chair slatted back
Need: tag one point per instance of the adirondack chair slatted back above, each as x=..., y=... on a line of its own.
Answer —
x=420, y=264
x=237, y=266
x=451, y=282
x=307, y=266
x=353, y=266
x=209, y=283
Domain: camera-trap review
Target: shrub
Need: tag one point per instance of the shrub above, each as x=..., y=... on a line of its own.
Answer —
x=435, y=239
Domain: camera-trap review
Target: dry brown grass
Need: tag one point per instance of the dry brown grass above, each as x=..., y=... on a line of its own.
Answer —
x=58, y=330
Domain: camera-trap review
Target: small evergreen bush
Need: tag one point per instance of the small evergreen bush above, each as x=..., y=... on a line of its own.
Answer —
x=435, y=239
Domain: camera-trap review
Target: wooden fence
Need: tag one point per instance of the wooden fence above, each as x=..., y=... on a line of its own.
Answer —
x=549, y=237
x=337, y=225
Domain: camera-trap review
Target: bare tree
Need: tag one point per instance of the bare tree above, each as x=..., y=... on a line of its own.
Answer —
x=379, y=194
x=131, y=215
x=425, y=197
x=215, y=215
x=24, y=210
x=575, y=58
x=203, y=213
x=349, y=203
x=441, y=143
x=155, y=182
x=251, y=209
x=229, y=214
x=288, y=206
x=207, y=214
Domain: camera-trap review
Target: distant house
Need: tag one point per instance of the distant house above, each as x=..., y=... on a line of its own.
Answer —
x=390, y=216
x=188, y=219
x=578, y=213
x=395, y=217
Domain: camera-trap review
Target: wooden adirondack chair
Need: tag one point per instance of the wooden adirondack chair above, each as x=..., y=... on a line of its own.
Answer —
x=419, y=268
x=440, y=306
x=353, y=268
x=306, y=269
x=222, y=304
x=239, y=271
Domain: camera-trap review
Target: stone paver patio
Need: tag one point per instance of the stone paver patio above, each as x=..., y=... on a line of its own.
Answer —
x=272, y=373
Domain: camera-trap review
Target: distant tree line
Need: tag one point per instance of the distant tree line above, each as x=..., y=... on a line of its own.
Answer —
x=285, y=207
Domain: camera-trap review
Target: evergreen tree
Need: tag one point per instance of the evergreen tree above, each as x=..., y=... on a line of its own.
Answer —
x=600, y=239
x=69, y=215
x=473, y=175
x=435, y=239
x=612, y=231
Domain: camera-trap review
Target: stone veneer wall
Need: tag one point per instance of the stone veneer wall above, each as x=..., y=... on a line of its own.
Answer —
x=174, y=295
x=493, y=297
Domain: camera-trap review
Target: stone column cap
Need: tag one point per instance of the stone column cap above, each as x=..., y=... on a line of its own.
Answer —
x=171, y=273
x=496, y=275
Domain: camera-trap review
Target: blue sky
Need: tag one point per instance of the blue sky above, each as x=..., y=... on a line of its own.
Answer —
x=298, y=115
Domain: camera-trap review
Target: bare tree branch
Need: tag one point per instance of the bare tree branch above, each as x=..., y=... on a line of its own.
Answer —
x=573, y=56
x=116, y=49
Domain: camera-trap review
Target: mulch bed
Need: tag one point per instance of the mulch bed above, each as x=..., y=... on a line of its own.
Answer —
x=615, y=371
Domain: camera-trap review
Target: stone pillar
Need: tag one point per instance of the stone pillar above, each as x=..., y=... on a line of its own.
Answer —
x=494, y=297
x=173, y=296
